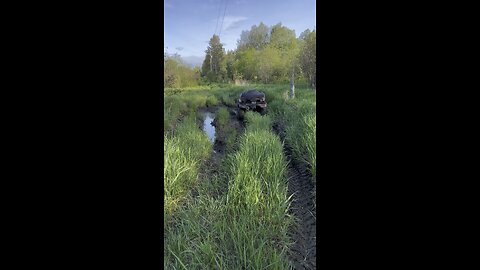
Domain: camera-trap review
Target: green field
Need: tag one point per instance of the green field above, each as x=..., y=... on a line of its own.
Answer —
x=230, y=209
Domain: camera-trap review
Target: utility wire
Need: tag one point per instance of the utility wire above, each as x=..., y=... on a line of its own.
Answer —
x=223, y=19
x=218, y=16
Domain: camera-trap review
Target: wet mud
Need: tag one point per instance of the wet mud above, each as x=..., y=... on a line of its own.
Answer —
x=302, y=255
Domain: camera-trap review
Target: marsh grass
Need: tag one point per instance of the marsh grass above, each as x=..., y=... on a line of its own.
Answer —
x=301, y=134
x=211, y=101
x=222, y=118
x=310, y=139
x=183, y=155
x=239, y=218
x=256, y=122
x=246, y=228
x=258, y=194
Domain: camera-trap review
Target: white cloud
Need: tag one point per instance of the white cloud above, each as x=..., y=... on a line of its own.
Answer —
x=232, y=22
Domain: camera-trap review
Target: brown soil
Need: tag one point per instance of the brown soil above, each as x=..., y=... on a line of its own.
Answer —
x=302, y=254
x=212, y=165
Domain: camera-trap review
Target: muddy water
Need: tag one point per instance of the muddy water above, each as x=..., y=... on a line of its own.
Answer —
x=207, y=126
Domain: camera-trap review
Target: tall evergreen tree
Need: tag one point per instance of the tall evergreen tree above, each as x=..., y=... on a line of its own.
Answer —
x=214, y=66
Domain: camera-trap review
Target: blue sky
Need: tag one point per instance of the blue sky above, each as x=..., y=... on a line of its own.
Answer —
x=189, y=24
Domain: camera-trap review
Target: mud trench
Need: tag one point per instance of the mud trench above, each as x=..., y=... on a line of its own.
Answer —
x=224, y=140
x=302, y=254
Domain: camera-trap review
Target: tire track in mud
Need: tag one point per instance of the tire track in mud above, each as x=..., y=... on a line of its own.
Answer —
x=211, y=167
x=302, y=254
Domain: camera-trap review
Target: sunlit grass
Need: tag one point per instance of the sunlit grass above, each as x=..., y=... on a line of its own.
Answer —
x=256, y=122
x=183, y=155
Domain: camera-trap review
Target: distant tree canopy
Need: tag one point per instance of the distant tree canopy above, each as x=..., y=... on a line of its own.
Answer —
x=257, y=37
x=263, y=54
x=308, y=57
x=177, y=74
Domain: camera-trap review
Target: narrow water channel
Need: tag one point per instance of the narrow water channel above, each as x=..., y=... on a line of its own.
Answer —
x=208, y=127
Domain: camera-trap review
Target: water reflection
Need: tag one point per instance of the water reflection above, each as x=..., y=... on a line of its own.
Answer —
x=207, y=126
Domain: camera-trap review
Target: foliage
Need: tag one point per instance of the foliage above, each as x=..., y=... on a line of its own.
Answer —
x=257, y=37
x=263, y=55
x=308, y=57
x=214, y=65
x=177, y=74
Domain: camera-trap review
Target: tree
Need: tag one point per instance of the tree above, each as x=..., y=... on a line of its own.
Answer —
x=308, y=57
x=230, y=66
x=257, y=38
x=170, y=78
x=282, y=38
x=273, y=55
x=304, y=34
x=269, y=60
x=285, y=42
x=246, y=63
x=214, y=66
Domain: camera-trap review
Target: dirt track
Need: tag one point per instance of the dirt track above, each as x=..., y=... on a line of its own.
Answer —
x=302, y=255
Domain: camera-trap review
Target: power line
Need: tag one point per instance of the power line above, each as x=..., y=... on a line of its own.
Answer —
x=218, y=16
x=226, y=3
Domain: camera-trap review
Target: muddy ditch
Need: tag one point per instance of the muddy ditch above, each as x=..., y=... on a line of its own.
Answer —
x=302, y=254
x=220, y=136
x=224, y=137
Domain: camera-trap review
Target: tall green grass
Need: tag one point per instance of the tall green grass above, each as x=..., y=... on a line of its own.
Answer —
x=239, y=216
x=211, y=101
x=256, y=122
x=222, y=118
x=246, y=228
x=310, y=139
x=301, y=135
x=173, y=109
x=258, y=193
x=183, y=154
x=298, y=116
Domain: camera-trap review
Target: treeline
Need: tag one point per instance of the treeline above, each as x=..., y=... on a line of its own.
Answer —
x=263, y=55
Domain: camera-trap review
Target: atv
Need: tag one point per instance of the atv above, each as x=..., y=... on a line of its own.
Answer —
x=252, y=100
